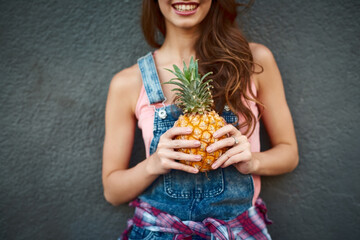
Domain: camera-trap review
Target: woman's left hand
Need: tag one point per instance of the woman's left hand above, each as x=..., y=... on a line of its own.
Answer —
x=239, y=152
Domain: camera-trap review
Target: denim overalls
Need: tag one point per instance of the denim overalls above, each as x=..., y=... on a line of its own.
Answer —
x=222, y=194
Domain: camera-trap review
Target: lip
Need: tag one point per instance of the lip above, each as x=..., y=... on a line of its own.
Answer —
x=185, y=13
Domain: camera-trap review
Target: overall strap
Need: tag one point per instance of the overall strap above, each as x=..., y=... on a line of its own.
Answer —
x=151, y=79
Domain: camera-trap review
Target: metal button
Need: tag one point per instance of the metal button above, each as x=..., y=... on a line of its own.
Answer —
x=162, y=114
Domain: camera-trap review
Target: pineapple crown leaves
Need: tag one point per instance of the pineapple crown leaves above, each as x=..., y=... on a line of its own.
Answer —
x=193, y=92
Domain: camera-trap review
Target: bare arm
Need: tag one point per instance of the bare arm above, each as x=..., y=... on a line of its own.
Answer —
x=283, y=156
x=120, y=183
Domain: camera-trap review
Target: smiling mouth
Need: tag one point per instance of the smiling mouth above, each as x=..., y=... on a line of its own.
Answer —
x=181, y=7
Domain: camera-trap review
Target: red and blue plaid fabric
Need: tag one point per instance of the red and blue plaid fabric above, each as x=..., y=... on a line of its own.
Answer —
x=249, y=225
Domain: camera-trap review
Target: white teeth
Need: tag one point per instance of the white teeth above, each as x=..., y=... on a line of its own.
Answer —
x=184, y=7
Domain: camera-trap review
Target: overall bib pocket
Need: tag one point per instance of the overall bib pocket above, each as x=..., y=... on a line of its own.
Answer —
x=180, y=184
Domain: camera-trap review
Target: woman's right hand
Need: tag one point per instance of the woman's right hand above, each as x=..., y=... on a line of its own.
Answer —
x=164, y=159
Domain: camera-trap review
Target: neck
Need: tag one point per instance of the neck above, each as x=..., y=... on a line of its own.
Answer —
x=179, y=44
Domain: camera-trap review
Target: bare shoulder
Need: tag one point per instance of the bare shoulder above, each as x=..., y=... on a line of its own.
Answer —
x=264, y=61
x=127, y=79
x=261, y=53
x=126, y=84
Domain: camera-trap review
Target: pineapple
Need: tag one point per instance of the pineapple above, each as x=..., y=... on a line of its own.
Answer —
x=193, y=97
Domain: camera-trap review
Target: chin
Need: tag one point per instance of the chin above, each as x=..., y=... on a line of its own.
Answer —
x=184, y=14
x=186, y=23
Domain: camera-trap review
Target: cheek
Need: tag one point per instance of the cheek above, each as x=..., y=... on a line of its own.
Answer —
x=206, y=5
x=165, y=7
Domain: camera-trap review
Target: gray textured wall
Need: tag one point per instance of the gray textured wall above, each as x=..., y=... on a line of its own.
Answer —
x=57, y=59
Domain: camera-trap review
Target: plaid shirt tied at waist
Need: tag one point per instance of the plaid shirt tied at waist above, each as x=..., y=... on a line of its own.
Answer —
x=251, y=224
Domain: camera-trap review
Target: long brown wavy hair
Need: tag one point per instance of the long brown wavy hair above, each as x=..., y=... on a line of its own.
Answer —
x=221, y=49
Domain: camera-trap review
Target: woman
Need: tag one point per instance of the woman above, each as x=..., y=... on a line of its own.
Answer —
x=173, y=200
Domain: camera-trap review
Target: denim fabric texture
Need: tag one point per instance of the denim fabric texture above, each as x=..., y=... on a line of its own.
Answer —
x=148, y=74
x=138, y=233
x=222, y=194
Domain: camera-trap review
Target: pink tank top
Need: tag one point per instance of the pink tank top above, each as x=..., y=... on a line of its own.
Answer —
x=145, y=115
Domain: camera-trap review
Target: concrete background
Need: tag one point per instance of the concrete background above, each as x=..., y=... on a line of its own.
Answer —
x=57, y=59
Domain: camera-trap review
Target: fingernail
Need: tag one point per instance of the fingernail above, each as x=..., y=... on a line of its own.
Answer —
x=197, y=143
x=209, y=149
x=215, y=135
x=214, y=166
x=195, y=170
x=198, y=157
x=189, y=130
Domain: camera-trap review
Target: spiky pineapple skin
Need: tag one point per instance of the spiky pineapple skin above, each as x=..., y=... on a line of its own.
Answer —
x=204, y=126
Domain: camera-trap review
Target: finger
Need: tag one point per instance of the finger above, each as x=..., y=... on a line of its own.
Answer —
x=244, y=156
x=221, y=160
x=227, y=129
x=229, y=153
x=242, y=139
x=175, y=131
x=175, y=144
x=183, y=167
x=228, y=142
x=183, y=156
x=233, y=159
